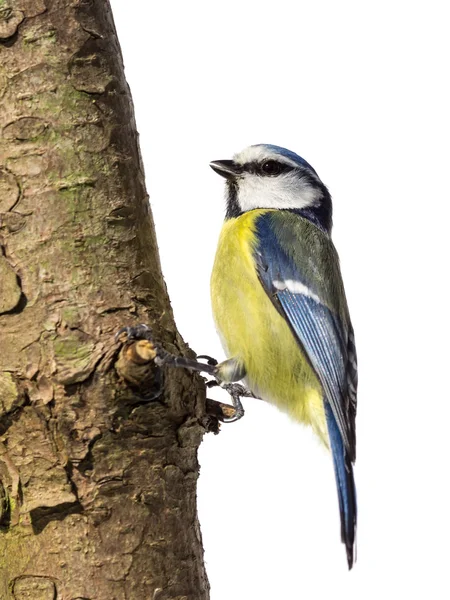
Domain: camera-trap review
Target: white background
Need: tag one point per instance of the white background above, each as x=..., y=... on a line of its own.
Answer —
x=361, y=91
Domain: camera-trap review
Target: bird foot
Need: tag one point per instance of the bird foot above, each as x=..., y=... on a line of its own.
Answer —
x=163, y=358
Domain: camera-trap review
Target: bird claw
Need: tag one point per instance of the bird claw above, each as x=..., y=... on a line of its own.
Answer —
x=237, y=404
x=209, y=359
x=137, y=332
x=142, y=332
x=212, y=383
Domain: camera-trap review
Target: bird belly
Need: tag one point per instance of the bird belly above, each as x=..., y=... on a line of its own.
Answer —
x=252, y=330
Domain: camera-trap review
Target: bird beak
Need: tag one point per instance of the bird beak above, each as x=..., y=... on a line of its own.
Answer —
x=226, y=168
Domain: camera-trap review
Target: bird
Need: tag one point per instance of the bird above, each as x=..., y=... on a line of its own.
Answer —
x=280, y=307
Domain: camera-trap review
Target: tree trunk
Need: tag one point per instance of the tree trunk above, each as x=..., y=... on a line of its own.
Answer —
x=98, y=494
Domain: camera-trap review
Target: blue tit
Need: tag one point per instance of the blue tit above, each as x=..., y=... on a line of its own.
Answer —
x=279, y=304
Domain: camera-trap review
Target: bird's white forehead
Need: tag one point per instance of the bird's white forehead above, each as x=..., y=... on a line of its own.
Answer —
x=260, y=153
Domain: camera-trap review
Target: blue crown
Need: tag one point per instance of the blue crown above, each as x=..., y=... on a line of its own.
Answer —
x=288, y=154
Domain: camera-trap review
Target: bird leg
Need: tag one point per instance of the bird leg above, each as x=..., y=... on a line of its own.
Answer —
x=236, y=391
x=225, y=373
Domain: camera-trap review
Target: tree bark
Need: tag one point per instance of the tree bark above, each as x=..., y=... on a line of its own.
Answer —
x=98, y=493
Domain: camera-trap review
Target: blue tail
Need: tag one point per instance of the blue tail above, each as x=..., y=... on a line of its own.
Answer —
x=345, y=482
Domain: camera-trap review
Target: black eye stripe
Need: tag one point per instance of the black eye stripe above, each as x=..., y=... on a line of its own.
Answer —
x=266, y=168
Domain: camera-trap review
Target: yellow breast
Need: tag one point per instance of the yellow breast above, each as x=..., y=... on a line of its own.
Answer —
x=254, y=331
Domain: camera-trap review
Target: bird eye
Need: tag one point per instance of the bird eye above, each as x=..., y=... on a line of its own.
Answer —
x=271, y=167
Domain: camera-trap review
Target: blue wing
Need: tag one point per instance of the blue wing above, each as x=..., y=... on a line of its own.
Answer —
x=298, y=267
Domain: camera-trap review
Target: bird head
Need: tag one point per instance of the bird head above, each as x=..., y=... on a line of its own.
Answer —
x=267, y=176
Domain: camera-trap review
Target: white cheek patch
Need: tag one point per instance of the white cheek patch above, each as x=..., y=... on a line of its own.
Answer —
x=283, y=191
x=295, y=287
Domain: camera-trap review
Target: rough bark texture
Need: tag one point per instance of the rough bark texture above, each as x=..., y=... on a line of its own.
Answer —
x=98, y=492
